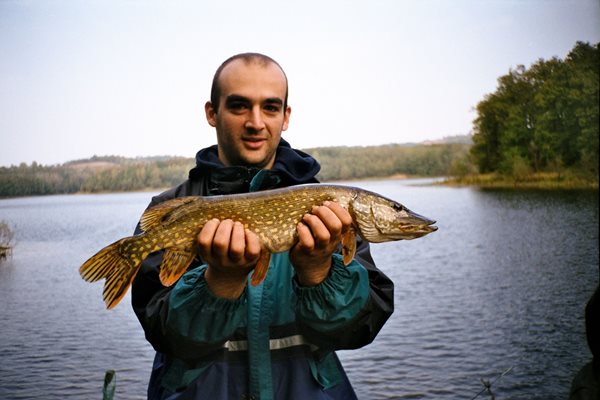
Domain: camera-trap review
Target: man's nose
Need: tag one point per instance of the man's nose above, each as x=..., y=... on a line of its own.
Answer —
x=255, y=119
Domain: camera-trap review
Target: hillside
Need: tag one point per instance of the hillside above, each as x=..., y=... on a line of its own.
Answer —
x=115, y=173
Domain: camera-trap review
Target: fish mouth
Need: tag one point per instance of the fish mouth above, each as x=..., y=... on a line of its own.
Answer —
x=412, y=229
x=423, y=230
x=418, y=226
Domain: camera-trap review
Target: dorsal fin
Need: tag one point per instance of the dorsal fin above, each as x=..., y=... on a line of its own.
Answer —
x=155, y=215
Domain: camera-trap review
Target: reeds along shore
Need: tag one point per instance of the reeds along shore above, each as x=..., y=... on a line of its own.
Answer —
x=6, y=236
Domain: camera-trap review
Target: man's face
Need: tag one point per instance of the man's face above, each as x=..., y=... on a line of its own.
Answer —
x=251, y=114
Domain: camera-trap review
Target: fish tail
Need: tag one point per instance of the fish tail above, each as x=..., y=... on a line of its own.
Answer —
x=116, y=267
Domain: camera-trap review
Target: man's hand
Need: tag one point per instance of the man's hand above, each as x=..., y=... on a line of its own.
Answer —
x=231, y=252
x=319, y=234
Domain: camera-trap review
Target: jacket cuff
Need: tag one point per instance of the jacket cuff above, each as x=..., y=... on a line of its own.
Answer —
x=337, y=300
x=197, y=315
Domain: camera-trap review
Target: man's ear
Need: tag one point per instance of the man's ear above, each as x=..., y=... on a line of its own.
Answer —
x=211, y=115
x=286, y=118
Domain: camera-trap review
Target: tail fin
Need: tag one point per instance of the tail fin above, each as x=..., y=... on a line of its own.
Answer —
x=118, y=270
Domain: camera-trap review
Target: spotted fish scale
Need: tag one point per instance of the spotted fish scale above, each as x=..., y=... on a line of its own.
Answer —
x=273, y=215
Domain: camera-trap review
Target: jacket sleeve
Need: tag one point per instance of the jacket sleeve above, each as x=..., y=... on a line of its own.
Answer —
x=152, y=302
x=349, y=308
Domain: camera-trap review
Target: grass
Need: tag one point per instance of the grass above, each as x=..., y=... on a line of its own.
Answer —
x=539, y=180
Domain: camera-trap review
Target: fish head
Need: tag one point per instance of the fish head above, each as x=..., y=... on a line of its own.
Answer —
x=379, y=219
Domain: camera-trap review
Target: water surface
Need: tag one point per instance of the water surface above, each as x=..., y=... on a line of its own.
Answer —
x=502, y=285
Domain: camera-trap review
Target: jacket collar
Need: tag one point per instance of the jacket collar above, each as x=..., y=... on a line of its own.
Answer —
x=292, y=167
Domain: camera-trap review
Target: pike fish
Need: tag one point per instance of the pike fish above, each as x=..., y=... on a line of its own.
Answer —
x=273, y=215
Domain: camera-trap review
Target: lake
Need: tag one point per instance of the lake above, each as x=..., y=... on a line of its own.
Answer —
x=498, y=294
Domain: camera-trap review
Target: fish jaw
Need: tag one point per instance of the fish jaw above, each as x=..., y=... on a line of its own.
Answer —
x=414, y=226
x=382, y=220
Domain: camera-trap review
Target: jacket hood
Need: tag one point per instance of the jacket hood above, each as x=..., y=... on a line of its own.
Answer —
x=291, y=167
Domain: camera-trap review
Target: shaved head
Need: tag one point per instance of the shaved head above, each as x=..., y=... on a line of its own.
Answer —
x=248, y=58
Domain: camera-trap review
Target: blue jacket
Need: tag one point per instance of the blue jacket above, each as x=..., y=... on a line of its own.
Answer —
x=278, y=340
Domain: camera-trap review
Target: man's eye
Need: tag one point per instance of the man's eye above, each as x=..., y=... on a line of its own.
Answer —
x=237, y=105
x=272, y=108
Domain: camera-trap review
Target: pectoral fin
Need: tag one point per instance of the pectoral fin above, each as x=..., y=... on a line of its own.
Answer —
x=348, y=246
x=174, y=264
x=262, y=266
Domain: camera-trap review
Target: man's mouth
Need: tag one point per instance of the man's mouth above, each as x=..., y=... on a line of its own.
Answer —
x=254, y=143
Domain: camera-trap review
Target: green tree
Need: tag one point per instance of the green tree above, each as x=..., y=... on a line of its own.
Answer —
x=545, y=117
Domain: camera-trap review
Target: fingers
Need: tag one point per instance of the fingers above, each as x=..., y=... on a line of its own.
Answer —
x=324, y=225
x=206, y=236
x=252, y=245
x=341, y=213
x=319, y=234
x=236, y=241
x=228, y=243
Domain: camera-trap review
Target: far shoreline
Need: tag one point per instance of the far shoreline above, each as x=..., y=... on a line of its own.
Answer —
x=538, y=181
x=545, y=181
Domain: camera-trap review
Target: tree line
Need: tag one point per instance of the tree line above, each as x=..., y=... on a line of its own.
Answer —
x=543, y=118
x=97, y=174
x=113, y=173
x=347, y=163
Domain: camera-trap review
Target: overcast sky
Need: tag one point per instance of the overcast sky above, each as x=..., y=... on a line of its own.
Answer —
x=130, y=78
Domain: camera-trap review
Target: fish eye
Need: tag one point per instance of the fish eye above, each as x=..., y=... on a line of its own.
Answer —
x=398, y=207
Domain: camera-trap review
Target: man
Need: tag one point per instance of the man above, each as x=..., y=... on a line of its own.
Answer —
x=218, y=337
x=586, y=383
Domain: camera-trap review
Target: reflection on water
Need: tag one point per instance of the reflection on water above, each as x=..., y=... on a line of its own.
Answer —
x=501, y=285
